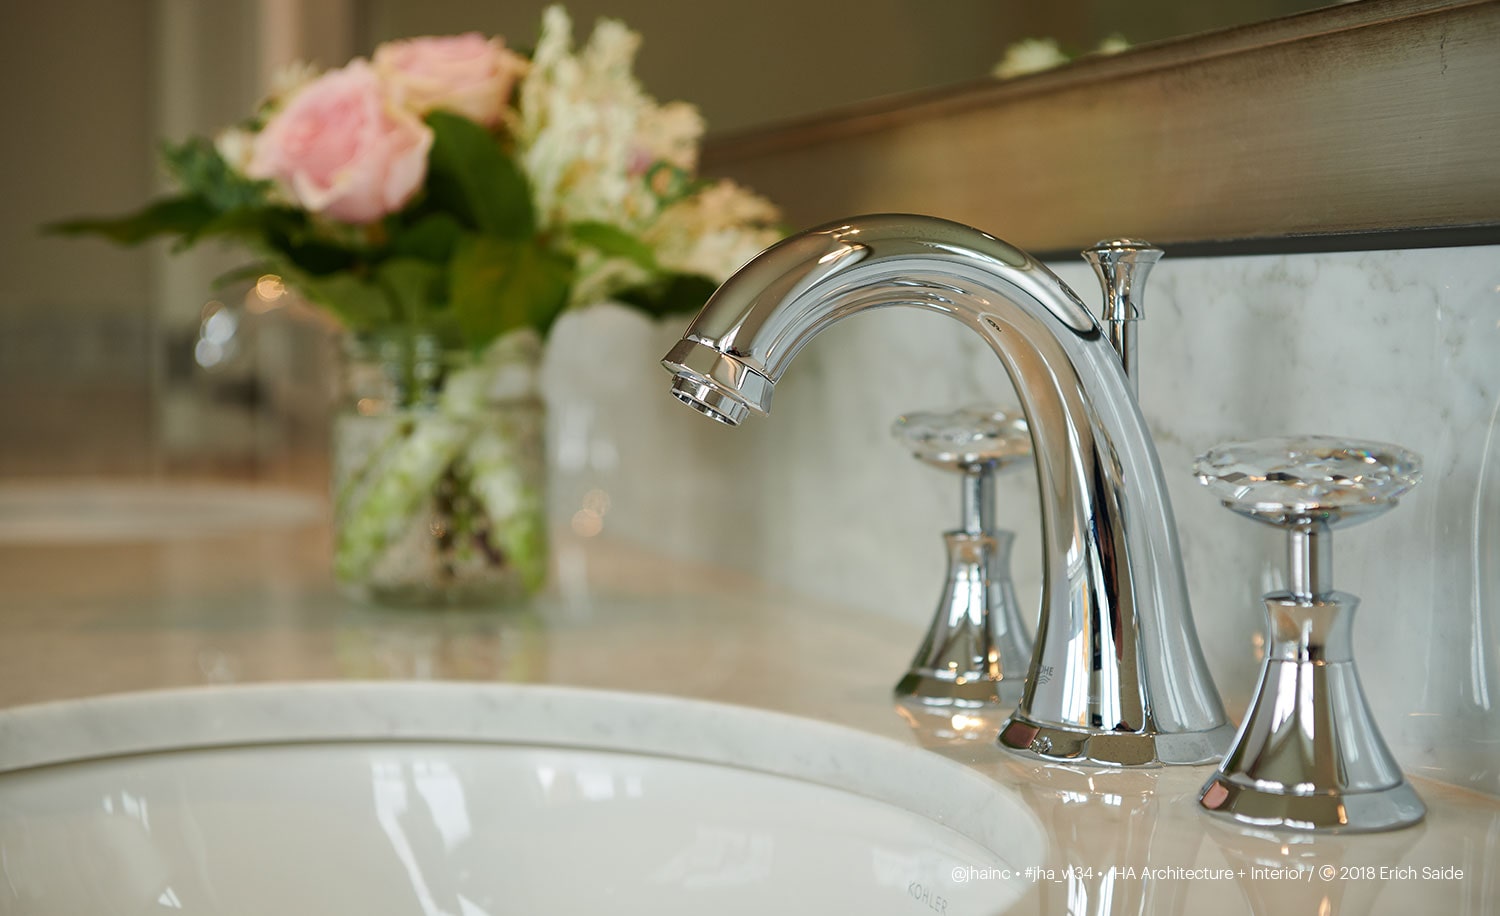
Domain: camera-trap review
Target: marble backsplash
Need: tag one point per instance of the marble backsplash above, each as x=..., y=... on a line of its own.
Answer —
x=1401, y=346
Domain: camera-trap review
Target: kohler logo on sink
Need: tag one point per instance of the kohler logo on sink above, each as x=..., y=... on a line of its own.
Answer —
x=927, y=896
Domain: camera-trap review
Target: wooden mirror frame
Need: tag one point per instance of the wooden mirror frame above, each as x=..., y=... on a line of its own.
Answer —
x=1368, y=125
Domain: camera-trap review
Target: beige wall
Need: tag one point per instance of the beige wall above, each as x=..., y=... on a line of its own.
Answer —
x=75, y=364
x=91, y=334
x=77, y=139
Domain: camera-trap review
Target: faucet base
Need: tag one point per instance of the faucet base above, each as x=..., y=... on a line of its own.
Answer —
x=976, y=651
x=931, y=689
x=1309, y=756
x=1115, y=749
x=1389, y=808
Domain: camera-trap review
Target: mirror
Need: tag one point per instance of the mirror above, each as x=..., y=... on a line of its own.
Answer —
x=751, y=64
x=1362, y=126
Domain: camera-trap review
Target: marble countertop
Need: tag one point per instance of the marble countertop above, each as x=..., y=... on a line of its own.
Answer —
x=84, y=620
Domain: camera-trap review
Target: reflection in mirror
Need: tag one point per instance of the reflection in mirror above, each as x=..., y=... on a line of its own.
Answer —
x=749, y=64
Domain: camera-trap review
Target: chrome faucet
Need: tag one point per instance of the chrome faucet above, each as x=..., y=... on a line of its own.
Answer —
x=1117, y=676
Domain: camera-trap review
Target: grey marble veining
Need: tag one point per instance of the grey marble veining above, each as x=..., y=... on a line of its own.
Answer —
x=1402, y=346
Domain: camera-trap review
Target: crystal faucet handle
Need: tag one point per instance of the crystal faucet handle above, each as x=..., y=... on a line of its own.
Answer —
x=1308, y=756
x=1300, y=480
x=976, y=652
x=969, y=439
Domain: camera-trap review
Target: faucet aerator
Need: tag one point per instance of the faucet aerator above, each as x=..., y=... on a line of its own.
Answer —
x=709, y=400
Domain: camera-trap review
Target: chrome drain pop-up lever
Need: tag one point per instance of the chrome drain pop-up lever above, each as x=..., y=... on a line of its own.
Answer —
x=1122, y=266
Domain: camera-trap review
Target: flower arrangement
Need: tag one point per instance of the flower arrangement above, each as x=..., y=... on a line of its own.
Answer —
x=448, y=196
x=451, y=185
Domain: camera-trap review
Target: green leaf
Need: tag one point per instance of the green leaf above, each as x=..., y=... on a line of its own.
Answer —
x=677, y=293
x=359, y=304
x=671, y=184
x=498, y=285
x=217, y=202
x=414, y=286
x=431, y=238
x=253, y=226
x=469, y=174
x=197, y=164
x=614, y=242
x=184, y=215
x=291, y=237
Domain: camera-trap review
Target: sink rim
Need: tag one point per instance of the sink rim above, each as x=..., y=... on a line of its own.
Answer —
x=745, y=738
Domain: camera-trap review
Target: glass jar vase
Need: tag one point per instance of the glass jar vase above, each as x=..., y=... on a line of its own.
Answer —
x=439, y=472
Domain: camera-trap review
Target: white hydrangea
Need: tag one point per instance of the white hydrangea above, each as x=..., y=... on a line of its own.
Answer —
x=670, y=133
x=1031, y=55
x=598, y=148
x=236, y=146
x=1112, y=44
x=579, y=120
x=715, y=231
x=598, y=278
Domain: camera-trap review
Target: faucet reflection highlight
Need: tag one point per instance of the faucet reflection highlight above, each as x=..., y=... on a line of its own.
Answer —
x=1117, y=676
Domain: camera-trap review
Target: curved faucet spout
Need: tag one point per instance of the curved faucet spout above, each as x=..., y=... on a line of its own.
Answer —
x=1117, y=676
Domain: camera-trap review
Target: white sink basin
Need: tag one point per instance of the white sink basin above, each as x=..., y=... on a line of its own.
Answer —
x=484, y=799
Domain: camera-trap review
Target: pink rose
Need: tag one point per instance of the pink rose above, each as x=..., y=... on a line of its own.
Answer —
x=466, y=74
x=340, y=148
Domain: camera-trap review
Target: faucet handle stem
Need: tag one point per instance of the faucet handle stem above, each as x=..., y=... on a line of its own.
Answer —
x=1122, y=266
